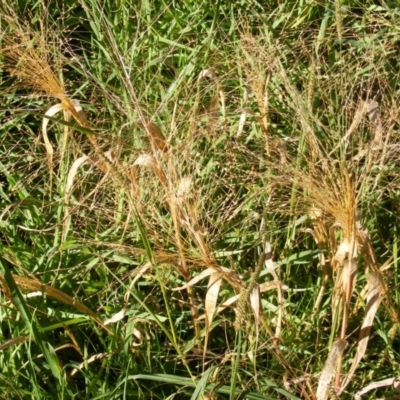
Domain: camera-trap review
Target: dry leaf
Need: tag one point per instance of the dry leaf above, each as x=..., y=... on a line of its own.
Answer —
x=88, y=361
x=379, y=384
x=348, y=278
x=255, y=302
x=208, y=73
x=202, y=275
x=116, y=317
x=155, y=134
x=13, y=341
x=50, y=113
x=269, y=264
x=149, y=161
x=373, y=301
x=72, y=173
x=344, y=250
x=138, y=273
x=214, y=284
x=223, y=306
x=264, y=287
x=327, y=374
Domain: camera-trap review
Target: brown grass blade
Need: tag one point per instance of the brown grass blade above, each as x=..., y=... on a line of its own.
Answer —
x=72, y=173
x=329, y=370
x=395, y=382
x=88, y=361
x=155, y=135
x=13, y=341
x=33, y=285
x=223, y=306
x=48, y=146
x=116, y=317
x=373, y=301
x=204, y=274
x=214, y=285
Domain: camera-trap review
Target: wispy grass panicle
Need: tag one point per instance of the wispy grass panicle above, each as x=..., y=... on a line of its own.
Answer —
x=29, y=58
x=26, y=55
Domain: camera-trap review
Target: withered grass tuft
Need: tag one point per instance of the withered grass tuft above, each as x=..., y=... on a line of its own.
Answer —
x=214, y=214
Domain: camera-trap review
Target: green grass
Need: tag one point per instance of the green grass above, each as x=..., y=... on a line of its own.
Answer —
x=128, y=260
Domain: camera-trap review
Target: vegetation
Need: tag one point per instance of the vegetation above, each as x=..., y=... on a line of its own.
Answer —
x=199, y=200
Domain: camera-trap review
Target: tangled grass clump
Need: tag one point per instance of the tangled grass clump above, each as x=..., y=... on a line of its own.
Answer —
x=270, y=175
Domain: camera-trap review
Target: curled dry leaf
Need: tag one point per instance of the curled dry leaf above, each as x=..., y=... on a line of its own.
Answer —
x=72, y=173
x=376, y=385
x=50, y=113
x=348, y=278
x=208, y=73
x=139, y=336
x=347, y=249
x=214, y=284
x=116, y=317
x=155, y=134
x=269, y=264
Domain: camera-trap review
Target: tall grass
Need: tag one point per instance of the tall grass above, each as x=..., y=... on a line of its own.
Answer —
x=199, y=201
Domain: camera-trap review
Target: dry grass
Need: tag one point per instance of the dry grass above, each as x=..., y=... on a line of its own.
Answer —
x=328, y=172
x=201, y=194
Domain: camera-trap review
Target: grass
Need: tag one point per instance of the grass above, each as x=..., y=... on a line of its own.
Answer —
x=199, y=201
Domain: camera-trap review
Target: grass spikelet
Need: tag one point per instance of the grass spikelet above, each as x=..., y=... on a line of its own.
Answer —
x=339, y=19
